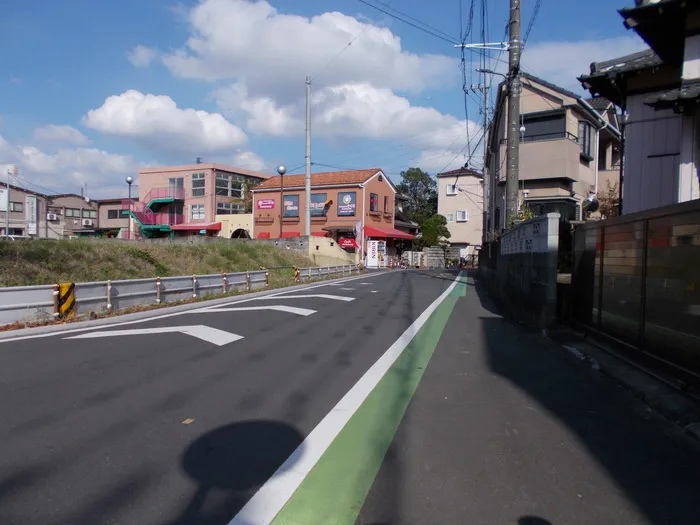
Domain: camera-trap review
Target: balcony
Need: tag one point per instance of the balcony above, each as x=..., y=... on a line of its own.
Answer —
x=551, y=156
x=159, y=196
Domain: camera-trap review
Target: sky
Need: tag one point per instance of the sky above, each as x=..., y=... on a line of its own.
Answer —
x=91, y=91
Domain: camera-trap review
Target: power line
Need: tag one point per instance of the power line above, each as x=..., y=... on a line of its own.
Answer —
x=431, y=31
x=535, y=12
x=386, y=4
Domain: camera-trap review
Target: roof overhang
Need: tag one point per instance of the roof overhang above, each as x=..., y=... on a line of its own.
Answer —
x=683, y=99
x=661, y=25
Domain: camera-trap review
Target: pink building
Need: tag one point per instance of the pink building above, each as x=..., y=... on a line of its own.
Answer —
x=184, y=200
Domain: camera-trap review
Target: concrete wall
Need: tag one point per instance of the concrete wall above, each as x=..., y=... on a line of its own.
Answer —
x=325, y=251
x=523, y=274
x=231, y=223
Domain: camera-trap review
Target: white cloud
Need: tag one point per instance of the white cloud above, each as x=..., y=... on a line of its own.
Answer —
x=249, y=160
x=156, y=120
x=253, y=43
x=66, y=134
x=68, y=169
x=561, y=62
x=141, y=56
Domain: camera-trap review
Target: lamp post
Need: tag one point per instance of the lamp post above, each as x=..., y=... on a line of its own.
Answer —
x=130, y=181
x=281, y=169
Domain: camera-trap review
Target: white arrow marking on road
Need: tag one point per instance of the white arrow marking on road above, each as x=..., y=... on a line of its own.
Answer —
x=277, y=307
x=375, y=291
x=309, y=296
x=200, y=331
x=348, y=289
x=364, y=283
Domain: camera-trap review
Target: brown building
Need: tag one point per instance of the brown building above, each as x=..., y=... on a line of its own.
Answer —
x=343, y=203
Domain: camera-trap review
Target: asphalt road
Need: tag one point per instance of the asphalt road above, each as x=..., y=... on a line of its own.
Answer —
x=167, y=428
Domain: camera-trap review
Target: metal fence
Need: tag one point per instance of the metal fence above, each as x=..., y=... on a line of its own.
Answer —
x=636, y=278
x=39, y=303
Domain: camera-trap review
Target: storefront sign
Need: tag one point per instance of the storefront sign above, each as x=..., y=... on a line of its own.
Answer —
x=347, y=242
x=31, y=214
x=318, y=200
x=291, y=205
x=347, y=203
x=4, y=196
x=265, y=204
x=376, y=254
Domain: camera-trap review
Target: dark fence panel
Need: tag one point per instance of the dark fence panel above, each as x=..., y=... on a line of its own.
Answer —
x=637, y=278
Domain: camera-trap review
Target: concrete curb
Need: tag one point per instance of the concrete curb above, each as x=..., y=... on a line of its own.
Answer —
x=167, y=310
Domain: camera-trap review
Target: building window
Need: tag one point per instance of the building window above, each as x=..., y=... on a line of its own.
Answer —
x=450, y=217
x=462, y=215
x=16, y=206
x=198, y=184
x=19, y=232
x=56, y=211
x=176, y=182
x=229, y=185
x=584, y=138
x=72, y=212
x=229, y=208
x=291, y=206
x=386, y=204
x=452, y=189
x=114, y=214
x=89, y=214
x=373, y=202
x=550, y=126
x=198, y=212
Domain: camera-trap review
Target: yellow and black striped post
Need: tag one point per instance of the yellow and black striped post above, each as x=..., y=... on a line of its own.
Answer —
x=66, y=300
x=296, y=274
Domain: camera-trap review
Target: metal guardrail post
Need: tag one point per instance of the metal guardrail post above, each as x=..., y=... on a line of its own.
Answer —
x=109, y=296
x=56, y=292
x=194, y=286
x=158, y=285
x=267, y=278
x=224, y=281
x=247, y=280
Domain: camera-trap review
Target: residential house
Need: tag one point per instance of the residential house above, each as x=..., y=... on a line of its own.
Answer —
x=343, y=204
x=186, y=199
x=401, y=220
x=69, y=215
x=113, y=216
x=567, y=148
x=658, y=90
x=27, y=212
x=461, y=202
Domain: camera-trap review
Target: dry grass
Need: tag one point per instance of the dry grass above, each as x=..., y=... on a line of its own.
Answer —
x=45, y=262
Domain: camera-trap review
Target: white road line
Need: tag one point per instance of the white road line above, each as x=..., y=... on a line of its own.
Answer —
x=262, y=508
x=276, y=307
x=375, y=291
x=165, y=316
x=348, y=289
x=206, y=333
x=309, y=296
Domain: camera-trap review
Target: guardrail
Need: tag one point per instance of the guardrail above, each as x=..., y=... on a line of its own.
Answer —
x=46, y=302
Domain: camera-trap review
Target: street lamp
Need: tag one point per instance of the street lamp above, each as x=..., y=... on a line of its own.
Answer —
x=281, y=169
x=130, y=180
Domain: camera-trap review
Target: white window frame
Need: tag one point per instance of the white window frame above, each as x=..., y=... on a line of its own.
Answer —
x=197, y=212
x=450, y=217
x=462, y=215
x=199, y=190
x=454, y=189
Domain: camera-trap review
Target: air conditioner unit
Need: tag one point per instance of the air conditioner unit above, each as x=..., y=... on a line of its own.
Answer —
x=51, y=217
x=87, y=222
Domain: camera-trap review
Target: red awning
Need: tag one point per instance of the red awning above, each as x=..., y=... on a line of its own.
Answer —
x=264, y=235
x=211, y=226
x=386, y=233
x=290, y=234
x=318, y=234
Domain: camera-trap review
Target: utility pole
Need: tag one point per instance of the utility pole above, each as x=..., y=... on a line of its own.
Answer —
x=488, y=211
x=307, y=159
x=513, y=135
x=7, y=209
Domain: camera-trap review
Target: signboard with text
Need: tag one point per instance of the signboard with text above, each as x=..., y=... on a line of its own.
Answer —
x=291, y=205
x=31, y=214
x=4, y=195
x=265, y=204
x=347, y=242
x=347, y=203
x=318, y=200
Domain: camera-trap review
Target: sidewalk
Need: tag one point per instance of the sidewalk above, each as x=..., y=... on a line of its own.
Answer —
x=508, y=428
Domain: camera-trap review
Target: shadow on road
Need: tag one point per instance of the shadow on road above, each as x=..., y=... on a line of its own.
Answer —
x=653, y=464
x=533, y=520
x=230, y=463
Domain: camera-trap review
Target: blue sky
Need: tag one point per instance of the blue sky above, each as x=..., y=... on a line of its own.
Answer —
x=224, y=79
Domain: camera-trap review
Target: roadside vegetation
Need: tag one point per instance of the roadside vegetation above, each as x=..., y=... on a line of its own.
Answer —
x=45, y=262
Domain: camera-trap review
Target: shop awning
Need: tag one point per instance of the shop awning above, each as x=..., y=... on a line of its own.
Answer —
x=318, y=234
x=290, y=234
x=387, y=233
x=263, y=235
x=211, y=226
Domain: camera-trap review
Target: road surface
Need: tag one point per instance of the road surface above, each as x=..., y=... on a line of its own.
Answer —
x=391, y=398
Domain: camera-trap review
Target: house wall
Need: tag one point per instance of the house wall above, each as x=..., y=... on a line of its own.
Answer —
x=652, y=156
x=231, y=223
x=68, y=225
x=268, y=220
x=469, y=198
x=18, y=219
x=103, y=220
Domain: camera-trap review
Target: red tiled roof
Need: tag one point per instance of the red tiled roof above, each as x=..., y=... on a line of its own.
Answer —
x=319, y=179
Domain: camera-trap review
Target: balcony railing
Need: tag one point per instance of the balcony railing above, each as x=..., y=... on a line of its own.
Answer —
x=176, y=194
x=158, y=219
x=547, y=136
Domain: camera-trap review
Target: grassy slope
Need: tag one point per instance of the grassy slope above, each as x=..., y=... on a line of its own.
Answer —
x=45, y=262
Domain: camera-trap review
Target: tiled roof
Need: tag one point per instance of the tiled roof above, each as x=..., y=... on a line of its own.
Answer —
x=598, y=103
x=688, y=92
x=634, y=62
x=461, y=172
x=330, y=178
x=549, y=85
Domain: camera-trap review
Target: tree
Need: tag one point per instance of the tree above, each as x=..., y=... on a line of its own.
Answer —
x=609, y=200
x=434, y=230
x=421, y=190
x=246, y=196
